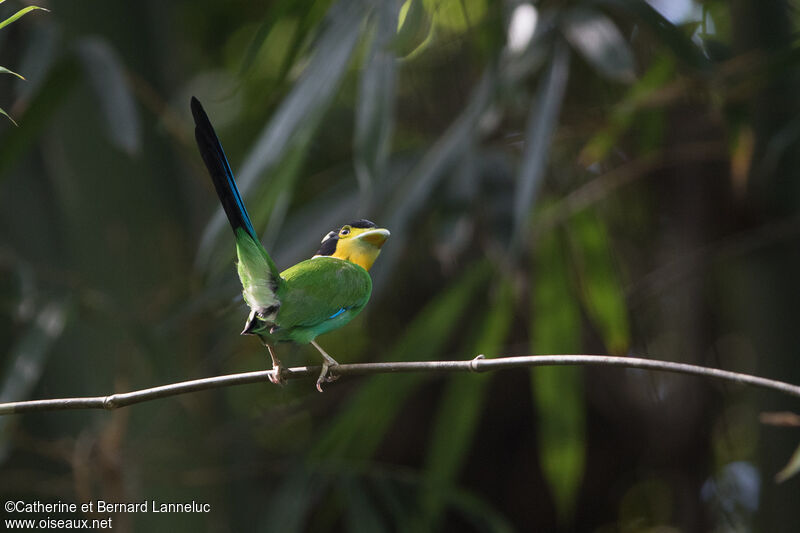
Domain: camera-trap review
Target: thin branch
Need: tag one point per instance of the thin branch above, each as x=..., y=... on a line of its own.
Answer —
x=479, y=364
x=782, y=418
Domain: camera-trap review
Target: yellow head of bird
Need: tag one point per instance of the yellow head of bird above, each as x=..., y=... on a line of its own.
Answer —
x=359, y=242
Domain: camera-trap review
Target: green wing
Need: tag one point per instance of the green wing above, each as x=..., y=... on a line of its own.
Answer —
x=261, y=282
x=321, y=294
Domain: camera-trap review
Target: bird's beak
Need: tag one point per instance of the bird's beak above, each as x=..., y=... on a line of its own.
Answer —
x=375, y=237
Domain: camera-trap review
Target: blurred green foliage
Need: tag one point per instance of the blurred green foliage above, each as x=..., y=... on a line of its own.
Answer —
x=593, y=176
x=3, y=70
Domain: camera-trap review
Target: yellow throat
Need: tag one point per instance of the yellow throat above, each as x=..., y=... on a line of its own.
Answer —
x=359, y=245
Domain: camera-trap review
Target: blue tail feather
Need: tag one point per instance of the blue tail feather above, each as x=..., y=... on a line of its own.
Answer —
x=220, y=170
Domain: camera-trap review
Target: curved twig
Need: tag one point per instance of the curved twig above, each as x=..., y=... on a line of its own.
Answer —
x=478, y=364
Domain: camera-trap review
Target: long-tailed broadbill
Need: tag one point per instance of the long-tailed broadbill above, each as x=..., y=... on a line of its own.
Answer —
x=313, y=297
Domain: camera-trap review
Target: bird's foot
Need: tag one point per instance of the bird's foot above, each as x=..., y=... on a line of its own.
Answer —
x=328, y=362
x=277, y=376
x=325, y=376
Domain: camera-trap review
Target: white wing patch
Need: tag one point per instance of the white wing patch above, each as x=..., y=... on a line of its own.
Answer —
x=258, y=287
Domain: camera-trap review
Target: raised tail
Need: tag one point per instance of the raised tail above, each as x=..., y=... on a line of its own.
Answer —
x=260, y=278
x=220, y=170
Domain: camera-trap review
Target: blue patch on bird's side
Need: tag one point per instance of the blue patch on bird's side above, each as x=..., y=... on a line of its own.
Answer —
x=337, y=313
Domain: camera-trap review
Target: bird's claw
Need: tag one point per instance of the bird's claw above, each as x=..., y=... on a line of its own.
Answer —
x=277, y=376
x=325, y=375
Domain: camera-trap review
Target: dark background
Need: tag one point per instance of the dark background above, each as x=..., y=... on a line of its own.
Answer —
x=624, y=182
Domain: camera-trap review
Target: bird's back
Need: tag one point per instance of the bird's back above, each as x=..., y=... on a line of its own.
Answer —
x=319, y=295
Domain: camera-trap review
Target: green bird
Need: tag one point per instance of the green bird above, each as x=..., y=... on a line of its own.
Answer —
x=313, y=297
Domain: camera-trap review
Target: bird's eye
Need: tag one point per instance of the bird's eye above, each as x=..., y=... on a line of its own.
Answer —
x=344, y=231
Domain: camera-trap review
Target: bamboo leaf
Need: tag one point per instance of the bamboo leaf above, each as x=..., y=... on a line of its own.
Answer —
x=460, y=410
x=41, y=51
x=600, y=42
x=657, y=75
x=375, y=101
x=457, y=15
x=313, y=92
x=391, y=497
x=542, y=122
x=304, y=228
x=4, y=70
x=276, y=12
x=666, y=32
x=292, y=126
x=289, y=505
x=30, y=352
x=600, y=289
x=22, y=12
x=27, y=360
x=362, y=514
x=479, y=513
x=791, y=469
x=413, y=191
x=521, y=63
x=356, y=432
x=107, y=77
x=54, y=90
x=414, y=28
x=558, y=391
x=3, y=112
